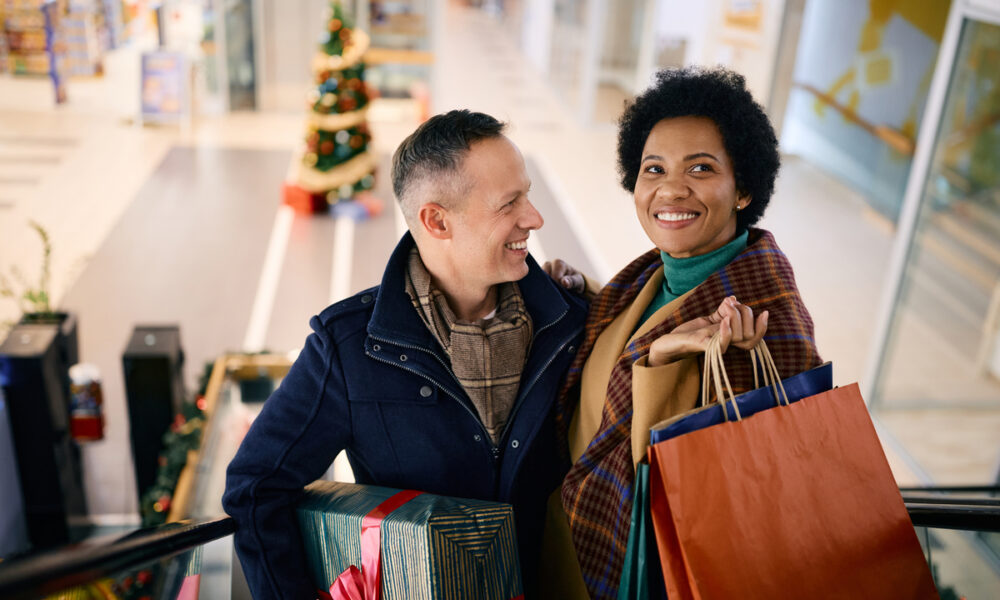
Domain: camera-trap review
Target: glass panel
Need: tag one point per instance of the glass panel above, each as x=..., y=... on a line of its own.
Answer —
x=965, y=564
x=247, y=382
x=174, y=578
x=939, y=387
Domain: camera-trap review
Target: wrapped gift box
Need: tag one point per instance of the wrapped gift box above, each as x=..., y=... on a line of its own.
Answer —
x=432, y=547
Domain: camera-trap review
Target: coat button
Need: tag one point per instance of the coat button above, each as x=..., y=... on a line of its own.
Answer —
x=402, y=357
x=376, y=347
x=571, y=349
x=477, y=437
x=426, y=391
x=515, y=444
x=366, y=299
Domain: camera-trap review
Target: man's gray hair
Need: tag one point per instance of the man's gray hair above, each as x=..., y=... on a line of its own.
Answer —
x=432, y=155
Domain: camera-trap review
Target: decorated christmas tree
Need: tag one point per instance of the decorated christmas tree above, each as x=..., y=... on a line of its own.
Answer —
x=335, y=164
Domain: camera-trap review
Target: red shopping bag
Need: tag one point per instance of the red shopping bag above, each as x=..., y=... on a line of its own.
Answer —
x=796, y=501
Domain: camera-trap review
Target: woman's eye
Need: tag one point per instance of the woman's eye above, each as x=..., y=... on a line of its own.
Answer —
x=654, y=169
x=701, y=168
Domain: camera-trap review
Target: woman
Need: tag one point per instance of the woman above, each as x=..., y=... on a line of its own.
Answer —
x=700, y=158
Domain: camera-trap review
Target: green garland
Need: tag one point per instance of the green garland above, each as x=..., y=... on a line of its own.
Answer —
x=183, y=436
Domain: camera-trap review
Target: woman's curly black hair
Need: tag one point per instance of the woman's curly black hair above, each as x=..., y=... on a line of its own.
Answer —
x=720, y=95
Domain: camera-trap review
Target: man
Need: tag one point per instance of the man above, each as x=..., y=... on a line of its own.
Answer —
x=442, y=379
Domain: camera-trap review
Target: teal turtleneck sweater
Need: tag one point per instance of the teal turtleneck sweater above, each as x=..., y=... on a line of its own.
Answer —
x=681, y=275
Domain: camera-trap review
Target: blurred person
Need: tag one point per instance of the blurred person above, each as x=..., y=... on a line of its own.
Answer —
x=700, y=159
x=441, y=379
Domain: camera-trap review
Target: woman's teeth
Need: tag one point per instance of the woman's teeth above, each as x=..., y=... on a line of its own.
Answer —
x=516, y=245
x=672, y=216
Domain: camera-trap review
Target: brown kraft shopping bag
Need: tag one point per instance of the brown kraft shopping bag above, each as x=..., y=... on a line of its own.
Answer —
x=797, y=501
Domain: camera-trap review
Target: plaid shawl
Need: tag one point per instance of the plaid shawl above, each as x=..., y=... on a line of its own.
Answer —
x=597, y=491
x=487, y=357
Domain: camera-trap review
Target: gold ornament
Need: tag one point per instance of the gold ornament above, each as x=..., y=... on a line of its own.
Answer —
x=310, y=159
x=329, y=99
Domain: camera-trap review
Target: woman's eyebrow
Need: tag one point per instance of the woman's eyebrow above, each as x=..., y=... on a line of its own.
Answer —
x=651, y=157
x=701, y=155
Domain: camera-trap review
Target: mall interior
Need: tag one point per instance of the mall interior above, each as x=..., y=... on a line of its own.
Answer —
x=170, y=220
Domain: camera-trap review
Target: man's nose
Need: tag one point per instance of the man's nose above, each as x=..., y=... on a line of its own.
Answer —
x=530, y=218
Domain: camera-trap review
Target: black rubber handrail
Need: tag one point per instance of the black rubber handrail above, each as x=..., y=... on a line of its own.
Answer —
x=970, y=516
x=932, y=499
x=49, y=571
x=954, y=489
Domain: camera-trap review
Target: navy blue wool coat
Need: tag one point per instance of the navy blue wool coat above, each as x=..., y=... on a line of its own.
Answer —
x=372, y=380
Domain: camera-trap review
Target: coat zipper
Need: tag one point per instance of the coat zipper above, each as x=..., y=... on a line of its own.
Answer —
x=524, y=393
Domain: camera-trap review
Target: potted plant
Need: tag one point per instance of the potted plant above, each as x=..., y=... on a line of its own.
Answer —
x=35, y=301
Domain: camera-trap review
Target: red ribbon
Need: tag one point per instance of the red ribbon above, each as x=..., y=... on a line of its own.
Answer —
x=366, y=583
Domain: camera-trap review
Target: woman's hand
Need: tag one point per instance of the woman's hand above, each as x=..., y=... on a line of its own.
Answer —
x=733, y=321
x=565, y=275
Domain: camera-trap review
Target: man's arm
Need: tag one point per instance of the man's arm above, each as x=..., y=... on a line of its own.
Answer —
x=302, y=427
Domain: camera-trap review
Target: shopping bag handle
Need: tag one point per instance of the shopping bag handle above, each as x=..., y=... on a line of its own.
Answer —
x=714, y=366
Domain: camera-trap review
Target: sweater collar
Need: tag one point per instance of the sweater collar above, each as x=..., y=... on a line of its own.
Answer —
x=684, y=274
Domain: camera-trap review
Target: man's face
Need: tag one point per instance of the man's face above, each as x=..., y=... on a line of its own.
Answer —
x=493, y=220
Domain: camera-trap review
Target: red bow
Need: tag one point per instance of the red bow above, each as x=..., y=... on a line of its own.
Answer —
x=366, y=583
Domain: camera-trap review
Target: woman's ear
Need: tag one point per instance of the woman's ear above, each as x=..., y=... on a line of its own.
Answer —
x=742, y=201
x=434, y=220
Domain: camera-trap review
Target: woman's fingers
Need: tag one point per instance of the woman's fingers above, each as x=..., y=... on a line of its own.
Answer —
x=725, y=333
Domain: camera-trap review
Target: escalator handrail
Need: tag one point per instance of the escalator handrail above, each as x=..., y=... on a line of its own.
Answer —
x=954, y=489
x=972, y=515
x=49, y=571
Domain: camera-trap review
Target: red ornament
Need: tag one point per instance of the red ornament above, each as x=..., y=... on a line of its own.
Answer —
x=201, y=403
x=353, y=84
x=346, y=103
x=144, y=577
x=326, y=147
x=164, y=501
x=345, y=35
x=356, y=141
x=335, y=24
x=127, y=583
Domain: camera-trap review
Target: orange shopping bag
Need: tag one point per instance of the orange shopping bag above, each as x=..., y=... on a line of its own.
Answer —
x=796, y=501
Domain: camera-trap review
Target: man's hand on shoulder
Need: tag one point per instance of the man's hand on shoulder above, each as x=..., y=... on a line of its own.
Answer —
x=565, y=275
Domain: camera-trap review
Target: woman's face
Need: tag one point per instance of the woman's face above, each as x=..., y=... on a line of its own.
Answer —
x=685, y=195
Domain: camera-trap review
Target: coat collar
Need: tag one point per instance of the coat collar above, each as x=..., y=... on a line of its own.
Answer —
x=394, y=318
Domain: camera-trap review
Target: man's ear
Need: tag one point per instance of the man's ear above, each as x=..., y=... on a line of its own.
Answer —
x=434, y=220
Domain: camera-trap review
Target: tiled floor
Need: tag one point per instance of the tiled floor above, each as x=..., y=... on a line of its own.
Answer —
x=77, y=170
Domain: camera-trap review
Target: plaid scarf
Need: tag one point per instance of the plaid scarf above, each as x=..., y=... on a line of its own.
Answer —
x=488, y=356
x=597, y=491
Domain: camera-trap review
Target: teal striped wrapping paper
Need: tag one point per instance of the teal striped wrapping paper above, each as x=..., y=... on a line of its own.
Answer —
x=433, y=547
